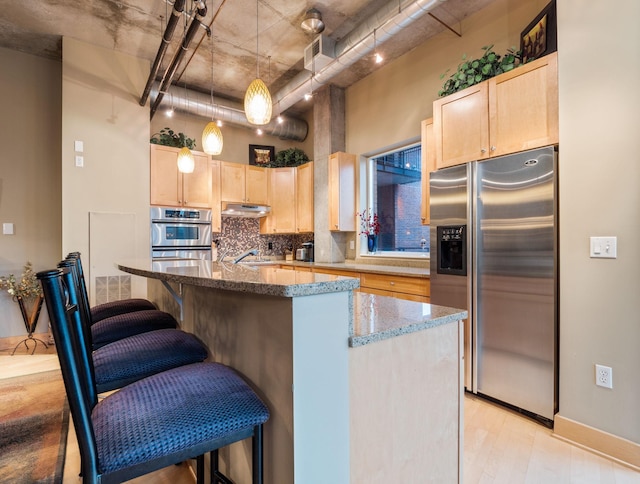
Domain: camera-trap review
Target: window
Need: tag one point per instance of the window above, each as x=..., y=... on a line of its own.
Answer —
x=394, y=192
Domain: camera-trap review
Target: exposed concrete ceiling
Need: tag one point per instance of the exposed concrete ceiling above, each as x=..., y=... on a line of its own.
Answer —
x=135, y=28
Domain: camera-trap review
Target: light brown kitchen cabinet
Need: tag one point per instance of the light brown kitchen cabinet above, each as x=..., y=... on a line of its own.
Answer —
x=282, y=196
x=512, y=112
x=304, y=198
x=402, y=287
x=428, y=165
x=243, y=183
x=342, y=192
x=216, y=200
x=171, y=188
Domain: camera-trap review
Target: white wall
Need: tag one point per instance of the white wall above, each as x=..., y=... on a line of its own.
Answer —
x=100, y=93
x=30, y=196
x=599, y=68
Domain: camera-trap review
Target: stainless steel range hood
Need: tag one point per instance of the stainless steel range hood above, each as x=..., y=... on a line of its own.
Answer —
x=246, y=210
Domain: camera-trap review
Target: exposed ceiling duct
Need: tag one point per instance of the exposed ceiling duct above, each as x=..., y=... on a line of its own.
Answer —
x=201, y=12
x=198, y=104
x=387, y=22
x=176, y=13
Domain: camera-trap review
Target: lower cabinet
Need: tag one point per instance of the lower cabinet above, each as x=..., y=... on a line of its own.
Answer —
x=403, y=287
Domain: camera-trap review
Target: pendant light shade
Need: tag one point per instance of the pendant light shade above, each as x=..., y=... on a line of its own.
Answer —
x=257, y=99
x=257, y=103
x=212, y=139
x=186, y=162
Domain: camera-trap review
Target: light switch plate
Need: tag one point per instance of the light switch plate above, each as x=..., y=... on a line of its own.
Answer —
x=604, y=247
x=7, y=229
x=79, y=161
x=78, y=146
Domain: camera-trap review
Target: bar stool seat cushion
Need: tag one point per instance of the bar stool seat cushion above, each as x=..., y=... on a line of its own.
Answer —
x=125, y=325
x=177, y=413
x=130, y=359
x=114, y=308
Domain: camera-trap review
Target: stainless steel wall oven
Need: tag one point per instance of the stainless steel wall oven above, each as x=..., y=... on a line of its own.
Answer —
x=180, y=233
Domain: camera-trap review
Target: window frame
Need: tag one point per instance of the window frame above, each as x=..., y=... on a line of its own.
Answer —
x=368, y=200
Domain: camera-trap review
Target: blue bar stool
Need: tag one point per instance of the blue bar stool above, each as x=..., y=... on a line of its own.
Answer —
x=155, y=422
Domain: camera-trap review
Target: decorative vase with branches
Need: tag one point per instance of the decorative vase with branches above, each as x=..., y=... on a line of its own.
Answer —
x=370, y=226
x=27, y=292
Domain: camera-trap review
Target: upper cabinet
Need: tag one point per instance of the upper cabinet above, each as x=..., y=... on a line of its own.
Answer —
x=170, y=187
x=304, y=198
x=291, y=200
x=428, y=165
x=243, y=183
x=216, y=200
x=342, y=192
x=512, y=112
x=282, y=196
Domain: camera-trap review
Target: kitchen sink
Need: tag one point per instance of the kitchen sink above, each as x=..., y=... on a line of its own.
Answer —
x=257, y=263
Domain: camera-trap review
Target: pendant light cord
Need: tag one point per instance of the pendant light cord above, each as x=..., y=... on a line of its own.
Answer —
x=257, y=45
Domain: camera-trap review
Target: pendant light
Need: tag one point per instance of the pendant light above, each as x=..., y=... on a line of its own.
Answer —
x=257, y=99
x=212, y=140
x=186, y=162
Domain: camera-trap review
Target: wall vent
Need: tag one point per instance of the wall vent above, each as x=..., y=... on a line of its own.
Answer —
x=319, y=53
x=112, y=288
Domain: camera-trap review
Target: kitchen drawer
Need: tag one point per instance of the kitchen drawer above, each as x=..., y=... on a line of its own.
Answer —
x=302, y=269
x=407, y=285
x=336, y=272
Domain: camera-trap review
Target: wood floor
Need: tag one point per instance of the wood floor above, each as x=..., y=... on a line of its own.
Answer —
x=500, y=447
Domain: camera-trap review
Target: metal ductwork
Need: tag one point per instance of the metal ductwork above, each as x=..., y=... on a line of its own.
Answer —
x=387, y=22
x=198, y=104
x=195, y=24
x=178, y=8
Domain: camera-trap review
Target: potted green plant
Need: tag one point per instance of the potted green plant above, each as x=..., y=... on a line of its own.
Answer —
x=289, y=157
x=470, y=72
x=167, y=137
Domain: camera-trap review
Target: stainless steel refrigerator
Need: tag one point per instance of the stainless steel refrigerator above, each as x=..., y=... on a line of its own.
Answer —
x=494, y=253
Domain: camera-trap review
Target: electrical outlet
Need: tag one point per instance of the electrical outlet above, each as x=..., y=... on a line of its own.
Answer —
x=604, y=376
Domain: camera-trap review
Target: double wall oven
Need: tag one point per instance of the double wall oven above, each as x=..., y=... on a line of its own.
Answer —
x=180, y=233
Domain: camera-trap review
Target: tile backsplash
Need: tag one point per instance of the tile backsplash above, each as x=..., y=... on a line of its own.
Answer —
x=240, y=234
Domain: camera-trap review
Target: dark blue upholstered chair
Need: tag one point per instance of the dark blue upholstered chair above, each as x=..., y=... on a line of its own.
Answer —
x=119, y=326
x=157, y=421
x=135, y=357
x=112, y=308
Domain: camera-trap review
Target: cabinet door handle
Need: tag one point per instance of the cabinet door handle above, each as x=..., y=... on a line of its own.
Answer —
x=392, y=283
x=483, y=150
x=493, y=148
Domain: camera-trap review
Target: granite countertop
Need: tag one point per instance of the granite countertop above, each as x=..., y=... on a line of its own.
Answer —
x=377, y=318
x=263, y=279
x=394, y=270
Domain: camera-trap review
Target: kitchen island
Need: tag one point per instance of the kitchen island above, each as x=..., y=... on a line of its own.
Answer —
x=361, y=388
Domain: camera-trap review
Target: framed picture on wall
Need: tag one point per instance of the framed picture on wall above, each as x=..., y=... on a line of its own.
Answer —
x=261, y=155
x=539, y=38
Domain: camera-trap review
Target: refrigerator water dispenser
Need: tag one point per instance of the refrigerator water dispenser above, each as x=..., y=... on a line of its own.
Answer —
x=452, y=250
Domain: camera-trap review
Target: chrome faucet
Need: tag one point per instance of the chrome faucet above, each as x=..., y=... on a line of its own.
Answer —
x=249, y=252
x=223, y=253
